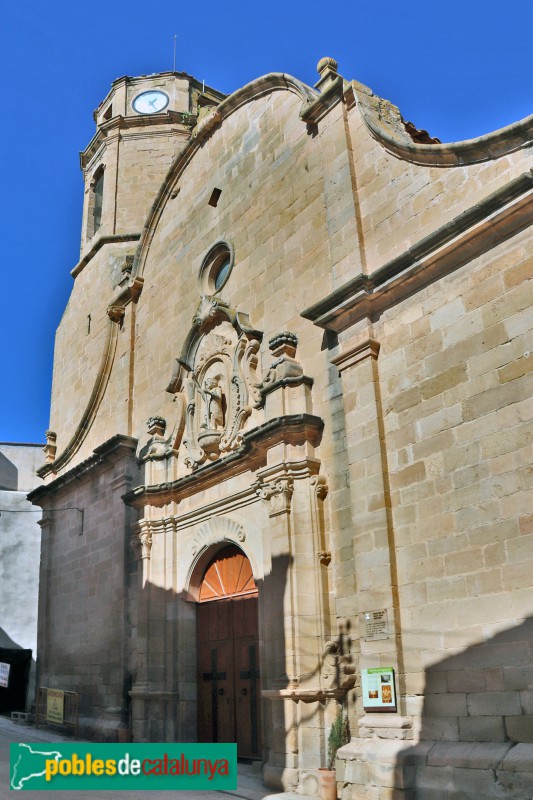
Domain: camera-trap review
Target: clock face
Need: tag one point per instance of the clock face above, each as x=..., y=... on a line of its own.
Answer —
x=150, y=102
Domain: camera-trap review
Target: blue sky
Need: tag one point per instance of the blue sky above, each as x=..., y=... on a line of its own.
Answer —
x=458, y=69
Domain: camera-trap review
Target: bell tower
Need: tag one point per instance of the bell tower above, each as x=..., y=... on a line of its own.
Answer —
x=140, y=126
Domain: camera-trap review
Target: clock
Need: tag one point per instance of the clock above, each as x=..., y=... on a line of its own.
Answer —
x=150, y=102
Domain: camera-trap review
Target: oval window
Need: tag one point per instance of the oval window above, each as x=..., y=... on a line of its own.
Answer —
x=222, y=274
x=216, y=267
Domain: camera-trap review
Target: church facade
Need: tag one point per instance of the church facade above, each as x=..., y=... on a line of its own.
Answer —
x=292, y=398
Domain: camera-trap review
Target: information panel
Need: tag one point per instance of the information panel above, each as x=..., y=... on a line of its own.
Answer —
x=379, y=693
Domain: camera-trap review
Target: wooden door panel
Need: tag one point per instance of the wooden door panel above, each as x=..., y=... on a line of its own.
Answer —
x=247, y=697
x=216, y=689
x=251, y=625
x=229, y=697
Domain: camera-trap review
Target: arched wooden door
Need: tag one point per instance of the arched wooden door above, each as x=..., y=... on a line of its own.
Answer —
x=229, y=698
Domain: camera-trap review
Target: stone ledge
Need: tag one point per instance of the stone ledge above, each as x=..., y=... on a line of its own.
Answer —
x=519, y=758
x=485, y=768
x=385, y=751
x=106, y=454
x=486, y=755
x=463, y=755
x=385, y=721
x=473, y=232
x=99, y=243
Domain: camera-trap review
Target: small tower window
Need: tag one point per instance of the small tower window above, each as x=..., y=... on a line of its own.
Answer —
x=98, y=201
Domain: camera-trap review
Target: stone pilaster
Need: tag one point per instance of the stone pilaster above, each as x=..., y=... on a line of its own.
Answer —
x=373, y=540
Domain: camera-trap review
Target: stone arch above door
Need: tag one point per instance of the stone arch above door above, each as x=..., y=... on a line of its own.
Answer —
x=209, y=539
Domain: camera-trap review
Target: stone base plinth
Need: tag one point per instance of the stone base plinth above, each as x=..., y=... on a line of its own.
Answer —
x=376, y=769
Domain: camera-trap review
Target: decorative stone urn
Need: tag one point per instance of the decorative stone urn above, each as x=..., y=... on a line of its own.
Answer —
x=209, y=441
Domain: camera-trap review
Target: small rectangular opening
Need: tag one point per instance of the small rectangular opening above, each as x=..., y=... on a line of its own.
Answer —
x=109, y=113
x=215, y=195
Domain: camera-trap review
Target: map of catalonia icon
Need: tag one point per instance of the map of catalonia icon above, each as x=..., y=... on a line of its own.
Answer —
x=30, y=764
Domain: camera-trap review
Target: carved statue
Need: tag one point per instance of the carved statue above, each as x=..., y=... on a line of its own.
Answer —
x=214, y=405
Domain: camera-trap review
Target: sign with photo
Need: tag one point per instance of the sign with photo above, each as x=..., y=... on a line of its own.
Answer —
x=4, y=674
x=379, y=693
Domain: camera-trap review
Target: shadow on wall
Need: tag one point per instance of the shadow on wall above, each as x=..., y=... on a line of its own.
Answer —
x=476, y=739
x=9, y=474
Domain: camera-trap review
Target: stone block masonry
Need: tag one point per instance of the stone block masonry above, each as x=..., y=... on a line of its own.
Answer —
x=309, y=341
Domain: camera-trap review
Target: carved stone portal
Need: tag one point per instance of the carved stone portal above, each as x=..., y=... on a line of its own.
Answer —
x=217, y=374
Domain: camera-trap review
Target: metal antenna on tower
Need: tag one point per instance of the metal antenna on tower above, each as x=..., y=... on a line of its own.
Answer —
x=174, y=70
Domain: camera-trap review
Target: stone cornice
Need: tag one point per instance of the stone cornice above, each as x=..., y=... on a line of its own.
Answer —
x=176, y=522
x=105, y=454
x=120, y=123
x=319, y=106
x=386, y=124
x=99, y=243
x=294, y=428
x=487, y=224
x=369, y=348
x=141, y=79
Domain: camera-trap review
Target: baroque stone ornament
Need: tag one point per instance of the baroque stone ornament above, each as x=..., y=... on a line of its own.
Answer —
x=50, y=447
x=217, y=529
x=116, y=313
x=142, y=544
x=285, y=369
x=207, y=121
x=156, y=425
x=320, y=486
x=277, y=494
x=158, y=446
x=217, y=373
x=327, y=63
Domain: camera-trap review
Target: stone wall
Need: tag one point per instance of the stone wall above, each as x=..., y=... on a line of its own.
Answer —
x=405, y=272
x=85, y=567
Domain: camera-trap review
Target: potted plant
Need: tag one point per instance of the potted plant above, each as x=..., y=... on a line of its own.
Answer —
x=339, y=735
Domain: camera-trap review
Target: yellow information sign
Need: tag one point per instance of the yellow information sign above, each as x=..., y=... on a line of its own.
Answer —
x=55, y=705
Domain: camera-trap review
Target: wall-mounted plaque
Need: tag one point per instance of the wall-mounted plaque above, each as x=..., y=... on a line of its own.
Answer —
x=4, y=674
x=376, y=625
x=379, y=693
